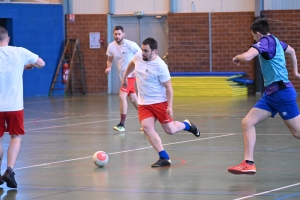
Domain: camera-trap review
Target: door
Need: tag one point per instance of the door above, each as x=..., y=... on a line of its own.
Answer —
x=138, y=29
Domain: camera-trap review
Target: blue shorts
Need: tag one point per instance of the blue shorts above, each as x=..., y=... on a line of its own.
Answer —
x=282, y=102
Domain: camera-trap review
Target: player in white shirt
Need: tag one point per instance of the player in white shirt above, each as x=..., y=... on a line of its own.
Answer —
x=155, y=98
x=122, y=51
x=13, y=61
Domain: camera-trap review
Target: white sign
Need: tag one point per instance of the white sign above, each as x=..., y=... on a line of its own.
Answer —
x=94, y=40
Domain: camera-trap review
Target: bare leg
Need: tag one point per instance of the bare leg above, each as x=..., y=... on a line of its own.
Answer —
x=173, y=127
x=13, y=150
x=254, y=117
x=151, y=134
x=123, y=102
x=133, y=99
x=294, y=126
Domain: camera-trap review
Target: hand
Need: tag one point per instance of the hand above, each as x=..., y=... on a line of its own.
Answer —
x=169, y=112
x=29, y=66
x=124, y=82
x=107, y=70
x=236, y=61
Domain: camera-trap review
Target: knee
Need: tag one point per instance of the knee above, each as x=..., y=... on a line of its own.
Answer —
x=133, y=100
x=170, y=131
x=146, y=129
x=296, y=134
x=246, y=123
x=122, y=97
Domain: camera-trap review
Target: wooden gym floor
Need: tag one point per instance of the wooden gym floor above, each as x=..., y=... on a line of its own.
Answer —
x=62, y=134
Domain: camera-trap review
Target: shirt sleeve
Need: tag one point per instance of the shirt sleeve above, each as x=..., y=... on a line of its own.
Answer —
x=135, y=48
x=266, y=47
x=164, y=74
x=135, y=57
x=28, y=56
x=284, y=45
x=108, y=51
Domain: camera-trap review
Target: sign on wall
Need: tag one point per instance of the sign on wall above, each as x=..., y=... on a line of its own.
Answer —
x=94, y=40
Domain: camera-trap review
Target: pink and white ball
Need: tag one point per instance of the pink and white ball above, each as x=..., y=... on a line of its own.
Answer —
x=100, y=158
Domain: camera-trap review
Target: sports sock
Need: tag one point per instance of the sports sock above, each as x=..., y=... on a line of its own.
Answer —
x=249, y=162
x=123, y=117
x=164, y=155
x=187, y=126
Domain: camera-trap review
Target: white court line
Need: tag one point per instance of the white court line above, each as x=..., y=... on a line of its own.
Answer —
x=253, y=195
x=43, y=120
x=62, y=161
x=72, y=124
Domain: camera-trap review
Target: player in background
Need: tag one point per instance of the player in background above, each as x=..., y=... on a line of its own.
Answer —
x=122, y=51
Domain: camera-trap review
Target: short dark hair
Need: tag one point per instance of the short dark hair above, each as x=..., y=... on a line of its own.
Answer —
x=261, y=26
x=119, y=28
x=152, y=43
x=3, y=33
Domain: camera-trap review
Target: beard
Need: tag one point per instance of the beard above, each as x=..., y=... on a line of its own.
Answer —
x=120, y=40
x=145, y=58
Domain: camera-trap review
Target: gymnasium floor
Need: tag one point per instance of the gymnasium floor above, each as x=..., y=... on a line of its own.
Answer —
x=62, y=134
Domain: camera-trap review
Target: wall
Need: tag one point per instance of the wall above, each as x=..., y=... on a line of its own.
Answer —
x=189, y=41
x=281, y=5
x=285, y=25
x=94, y=60
x=231, y=36
x=189, y=6
x=39, y=28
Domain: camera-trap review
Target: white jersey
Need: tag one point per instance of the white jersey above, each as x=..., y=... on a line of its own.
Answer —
x=12, y=62
x=122, y=54
x=149, y=78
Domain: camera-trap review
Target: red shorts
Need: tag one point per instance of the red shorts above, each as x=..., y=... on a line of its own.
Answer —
x=158, y=111
x=130, y=86
x=14, y=122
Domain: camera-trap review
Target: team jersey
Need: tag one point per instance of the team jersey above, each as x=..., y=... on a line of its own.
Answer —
x=272, y=59
x=149, y=78
x=12, y=62
x=122, y=54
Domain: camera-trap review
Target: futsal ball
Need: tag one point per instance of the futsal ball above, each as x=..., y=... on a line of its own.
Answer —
x=100, y=158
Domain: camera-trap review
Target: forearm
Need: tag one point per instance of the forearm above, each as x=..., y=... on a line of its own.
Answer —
x=243, y=57
x=294, y=66
x=129, y=69
x=169, y=95
x=290, y=52
x=108, y=64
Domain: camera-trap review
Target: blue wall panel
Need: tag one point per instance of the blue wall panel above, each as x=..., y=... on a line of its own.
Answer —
x=40, y=29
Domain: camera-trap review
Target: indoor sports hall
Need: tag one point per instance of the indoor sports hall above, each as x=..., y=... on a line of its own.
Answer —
x=71, y=105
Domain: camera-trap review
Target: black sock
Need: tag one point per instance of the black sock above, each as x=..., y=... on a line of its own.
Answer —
x=250, y=162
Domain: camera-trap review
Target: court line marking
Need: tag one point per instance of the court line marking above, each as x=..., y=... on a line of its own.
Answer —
x=43, y=120
x=281, y=188
x=129, y=110
x=62, y=118
x=119, y=152
x=73, y=124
